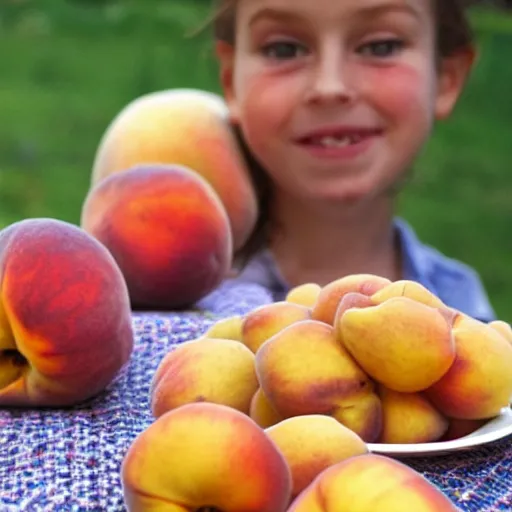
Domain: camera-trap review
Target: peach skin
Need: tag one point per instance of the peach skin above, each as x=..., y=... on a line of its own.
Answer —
x=460, y=428
x=313, y=443
x=410, y=289
x=304, y=294
x=263, y=322
x=188, y=127
x=409, y=418
x=303, y=370
x=403, y=344
x=262, y=411
x=503, y=328
x=227, y=328
x=203, y=457
x=371, y=483
x=167, y=230
x=331, y=294
x=205, y=370
x=479, y=383
x=65, y=318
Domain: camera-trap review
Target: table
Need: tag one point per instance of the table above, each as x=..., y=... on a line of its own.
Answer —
x=68, y=460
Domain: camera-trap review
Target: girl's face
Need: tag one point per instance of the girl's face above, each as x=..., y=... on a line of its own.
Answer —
x=336, y=98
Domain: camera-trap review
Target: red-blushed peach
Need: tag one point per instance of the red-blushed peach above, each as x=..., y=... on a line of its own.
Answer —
x=312, y=443
x=303, y=370
x=263, y=322
x=202, y=457
x=262, y=411
x=205, y=370
x=167, y=230
x=371, y=483
x=188, y=127
x=331, y=294
x=65, y=318
x=409, y=418
x=479, y=383
x=403, y=344
x=305, y=294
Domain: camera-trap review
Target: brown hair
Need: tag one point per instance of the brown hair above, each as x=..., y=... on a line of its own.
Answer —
x=453, y=33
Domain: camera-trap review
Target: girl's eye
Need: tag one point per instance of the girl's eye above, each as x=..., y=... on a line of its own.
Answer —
x=283, y=50
x=384, y=48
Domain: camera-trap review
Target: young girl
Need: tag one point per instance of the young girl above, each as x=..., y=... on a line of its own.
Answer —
x=333, y=100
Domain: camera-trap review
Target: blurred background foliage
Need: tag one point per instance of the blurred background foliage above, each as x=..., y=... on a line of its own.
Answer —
x=68, y=67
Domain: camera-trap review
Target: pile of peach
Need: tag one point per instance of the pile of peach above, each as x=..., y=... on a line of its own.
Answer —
x=311, y=380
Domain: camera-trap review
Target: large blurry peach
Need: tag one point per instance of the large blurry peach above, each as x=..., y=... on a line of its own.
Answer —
x=167, y=230
x=205, y=457
x=189, y=127
x=65, y=318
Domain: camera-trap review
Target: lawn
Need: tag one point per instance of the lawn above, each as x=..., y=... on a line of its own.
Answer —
x=68, y=68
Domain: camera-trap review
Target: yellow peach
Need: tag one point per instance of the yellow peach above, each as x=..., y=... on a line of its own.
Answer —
x=263, y=322
x=370, y=483
x=409, y=418
x=205, y=370
x=204, y=456
x=313, y=443
x=331, y=294
x=305, y=294
x=262, y=411
x=479, y=383
x=401, y=343
x=303, y=369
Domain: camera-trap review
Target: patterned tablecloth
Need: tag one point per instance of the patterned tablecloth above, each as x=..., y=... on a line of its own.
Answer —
x=69, y=460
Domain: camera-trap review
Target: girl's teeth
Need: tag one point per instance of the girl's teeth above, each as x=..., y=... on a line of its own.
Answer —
x=338, y=142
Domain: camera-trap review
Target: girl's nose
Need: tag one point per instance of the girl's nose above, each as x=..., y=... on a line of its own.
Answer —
x=329, y=80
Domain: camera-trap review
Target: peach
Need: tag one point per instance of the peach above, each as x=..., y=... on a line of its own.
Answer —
x=503, y=328
x=311, y=444
x=460, y=428
x=331, y=294
x=303, y=370
x=410, y=289
x=205, y=370
x=65, y=318
x=351, y=300
x=479, y=383
x=409, y=418
x=227, y=328
x=305, y=294
x=188, y=127
x=403, y=344
x=263, y=322
x=204, y=456
x=262, y=411
x=167, y=230
x=369, y=482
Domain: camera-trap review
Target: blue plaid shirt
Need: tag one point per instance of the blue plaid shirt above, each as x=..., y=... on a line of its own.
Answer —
x=455, y=283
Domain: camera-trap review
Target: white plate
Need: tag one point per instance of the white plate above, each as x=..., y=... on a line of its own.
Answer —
x=496, y=429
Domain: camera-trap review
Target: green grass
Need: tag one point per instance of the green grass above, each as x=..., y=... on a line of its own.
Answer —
x=68, y=68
